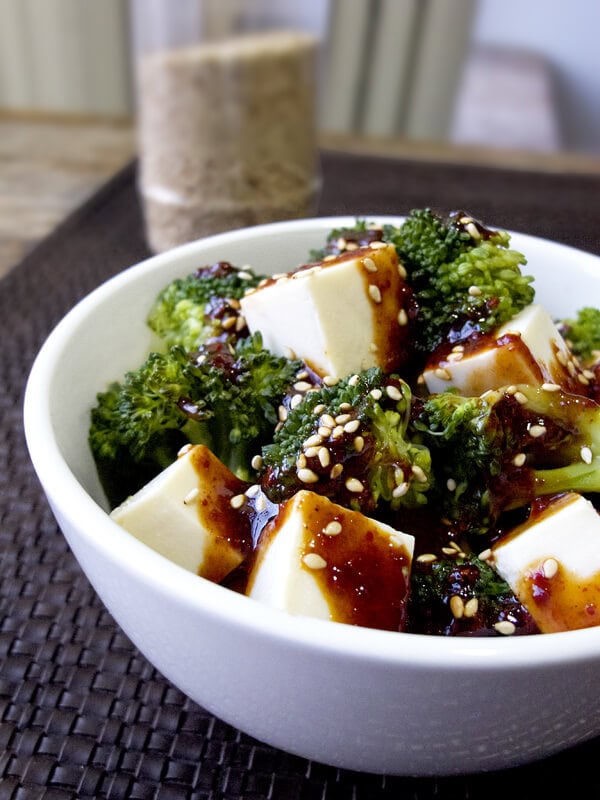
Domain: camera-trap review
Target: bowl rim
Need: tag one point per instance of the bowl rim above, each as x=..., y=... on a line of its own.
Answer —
x=66, y=494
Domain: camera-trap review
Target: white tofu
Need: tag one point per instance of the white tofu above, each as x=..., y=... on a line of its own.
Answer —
x=185, y=515
x=528, y=349
x=341, y=316
x=319, y=559
x=552, y=563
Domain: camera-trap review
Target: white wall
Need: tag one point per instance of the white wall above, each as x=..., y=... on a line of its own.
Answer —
x=567, y=34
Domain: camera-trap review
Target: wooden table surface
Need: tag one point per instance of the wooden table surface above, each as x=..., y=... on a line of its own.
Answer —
x=49, y=164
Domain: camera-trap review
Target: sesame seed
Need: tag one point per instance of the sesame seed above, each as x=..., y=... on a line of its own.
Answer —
x=345, y=406
x=402, y=318
x=550, y=567
x=449, y=551
x=237, y=501
x=520, y=398
x=327, y=420
x=245, y=276
x=336, y=471
x=458, y=348
x=376, y=394
x=582, y=379
x=253, y=490
x=296, y=400
x=485, y=555
x=307, y=476
x=354, y=485
x=536, y=431
x=587, y=373
x=324, y=456
x=261, y=503
x=402, y=271
x=337, y=432
x=551, y=387
x=228, y=322
x=341, y=419
x=353, y=380
x=375, y=293
x=453, y=357
x=314, y=561
x=289, y=353
x=352, y=426
x=442, y=373
x=185, y=449
x=330, y=380
x=341, y=243
x=302, y=386
x=562, y=357
x=358, y=444
x=324, y=431
x=426, y=558
x=301, y=461
x=586, y=454
x=398, y=475
x=471, y=607
x=457, y=606
x=505, y=627
x=400, y=490
x=279, y=275
x=319, y=408
x=419, y=473
x=474, y=291
x=393, y=392
x=191, y=496
x=257, y=462
x=451, y=485
x=369, y=264
x=331, y=257
x=377, y=245
x=282, y=413
x=572, y=369
x=519, y=459
x=332, y=528
x=472, y=230
x=352, y=246
x=310, y=452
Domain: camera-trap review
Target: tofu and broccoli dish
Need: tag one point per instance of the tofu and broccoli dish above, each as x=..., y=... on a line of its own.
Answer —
x=394, y=435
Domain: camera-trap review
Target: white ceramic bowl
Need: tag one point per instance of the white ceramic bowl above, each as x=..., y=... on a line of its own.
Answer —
x=360, y=699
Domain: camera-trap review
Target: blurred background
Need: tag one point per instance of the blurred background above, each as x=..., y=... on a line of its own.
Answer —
x=513, y=81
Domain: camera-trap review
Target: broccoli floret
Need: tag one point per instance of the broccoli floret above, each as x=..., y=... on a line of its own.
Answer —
x=202, y=306
x=465, y=277
x=349, y=442
x=482, y=596
x=223, y=397
x=498, y=452
x=583, y=334
x=340, y=240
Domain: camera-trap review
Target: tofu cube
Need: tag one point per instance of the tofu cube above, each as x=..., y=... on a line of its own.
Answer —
x=340, y=316
x=319, y=559
x=527, y=349
x=552, y=563
x=185, y=514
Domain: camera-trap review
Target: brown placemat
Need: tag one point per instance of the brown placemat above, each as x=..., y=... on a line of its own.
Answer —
x=82, y=713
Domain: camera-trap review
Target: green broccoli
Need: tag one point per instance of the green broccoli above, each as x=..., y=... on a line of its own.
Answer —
x=583, y=334
x=202, y=306
x=340, y=240
x=349, y=442
x=464, y=276
x=223, y=397
x=498, y=452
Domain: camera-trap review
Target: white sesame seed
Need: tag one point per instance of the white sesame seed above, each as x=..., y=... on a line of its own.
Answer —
x=562, y=357
x=352, y=381
x=453, y=357
x=505, y=627
x=402, y=271
x=341, y=419
x=582, y=379
x=471, y=607
x=324, y=431
x=185, y=449
x=572, y=369
x=587, y=373
x=521, y=399
x=449, y=551
x=393, y=392
x=550, y=567
x=485, y=555
x=377, y=245
x=296, y=400
x=313, y=441
x=354, y=485
x=314, y=561
x=332, y=528
x=426, y=558
x=474, y=291
x=282, y=413
x=419, y=473
x=324, y=456
x=330, y=380
x=191, y=496
x=352, y=426
x=451, y=485
x=257, y=462
x=253, y=490
x=319, y=408
x=472, y=230
x=551, y=387
x=400, y=490
x=289, y=353
x=369, y=264
x=307, y=476
x=457, y=606
x=237, y=501
x=310, y=452
x=261, y=503
x=402, y=318
x=535, y=431
x=519, y=459
x=358, y=444
x=301, y=461
x=375, y=293
x=327, y=420
x=586, y=454
x=345, y=406
x=337, y=432
x=458, y=348
x=331, y=257
x=341, y=243
x=352, y=246
x=376, y=394
x=302, y=386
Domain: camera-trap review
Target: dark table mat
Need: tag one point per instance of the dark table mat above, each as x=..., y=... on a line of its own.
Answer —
x=82, y=713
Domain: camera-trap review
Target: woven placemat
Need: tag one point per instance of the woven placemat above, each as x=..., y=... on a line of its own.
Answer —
x=82, y=713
